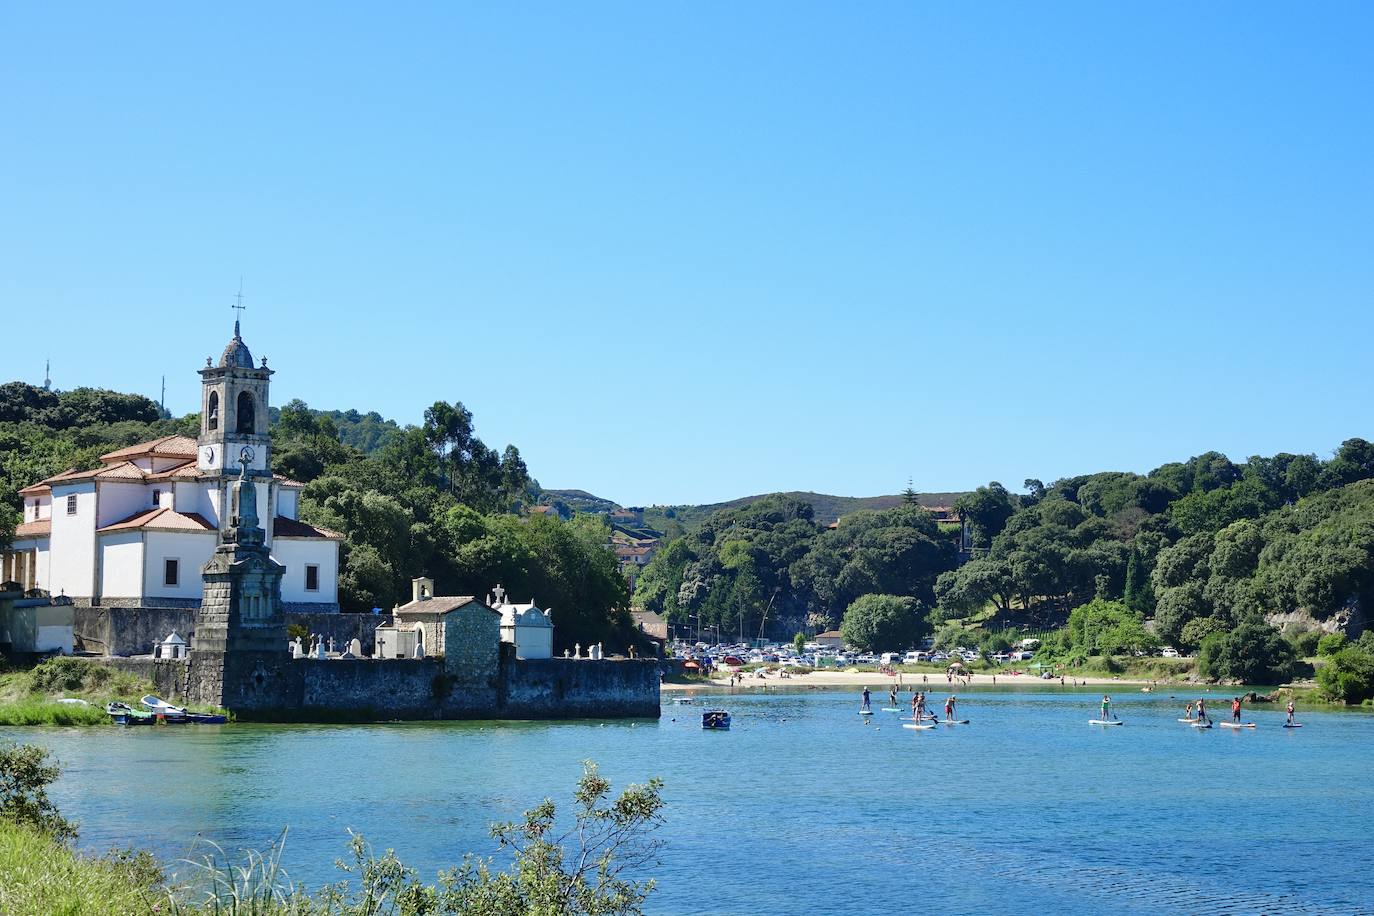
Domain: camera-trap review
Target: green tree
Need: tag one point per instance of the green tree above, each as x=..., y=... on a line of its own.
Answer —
x=1348, y=675
x=1331, y=643
x=987, y=510
x=876, y=623
x=25, y=774
x=1251, y=653
x=799, y=642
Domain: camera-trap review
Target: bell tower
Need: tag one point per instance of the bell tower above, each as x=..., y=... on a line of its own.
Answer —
x=233, y=412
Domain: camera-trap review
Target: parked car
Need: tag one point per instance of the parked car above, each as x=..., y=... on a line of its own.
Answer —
x=1022, y=656
x=915, y=657
x=1170, y=652
x=939, y=657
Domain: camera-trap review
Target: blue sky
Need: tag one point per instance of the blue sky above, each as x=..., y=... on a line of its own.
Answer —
x=682, y=253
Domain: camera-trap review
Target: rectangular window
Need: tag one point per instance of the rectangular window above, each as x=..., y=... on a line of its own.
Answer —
x=157, y=498
x=312, y=578
x=71, y=504
x=171, y=572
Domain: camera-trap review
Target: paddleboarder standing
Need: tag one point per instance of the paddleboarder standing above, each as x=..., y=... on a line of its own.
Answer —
x=892, y=696
x=1202, y=710
x=1235, y=710
x=949, y=709
x=1106, y=708
x=1188, y=713
x=920, y=706
x=867, y=704
x=1290, y=711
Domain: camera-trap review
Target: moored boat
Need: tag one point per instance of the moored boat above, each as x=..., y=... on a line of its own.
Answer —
x=123, y=714
x=715, y=720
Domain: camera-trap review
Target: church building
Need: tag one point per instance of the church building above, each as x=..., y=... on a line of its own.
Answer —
x=138, y=530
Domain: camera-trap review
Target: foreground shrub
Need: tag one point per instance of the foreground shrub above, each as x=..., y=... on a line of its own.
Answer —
x=25, y=774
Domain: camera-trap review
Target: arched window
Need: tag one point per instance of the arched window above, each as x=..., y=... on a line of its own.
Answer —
x=245, y=413
x=212, y=413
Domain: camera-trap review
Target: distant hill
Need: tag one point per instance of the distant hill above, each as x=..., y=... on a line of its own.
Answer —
x=827, y=508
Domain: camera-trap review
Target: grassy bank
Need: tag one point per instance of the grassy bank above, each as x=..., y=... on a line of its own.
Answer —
x=30, y=696
x=40, y=876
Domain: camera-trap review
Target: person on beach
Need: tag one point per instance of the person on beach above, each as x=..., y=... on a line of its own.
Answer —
x=1106, y=708
x=925, y=679
x=1290, y=712
x=949, y=709
x=1235, y=709
x=867, y=703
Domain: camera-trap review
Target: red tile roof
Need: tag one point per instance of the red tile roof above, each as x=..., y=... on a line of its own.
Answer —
x=283, y=527
x=165, y=447
x=39, y=487
x=161, y=520
x=39, y=529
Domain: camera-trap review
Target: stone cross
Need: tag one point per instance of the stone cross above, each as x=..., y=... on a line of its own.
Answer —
x=331, y=645
x=577, y=650
x=500, y=594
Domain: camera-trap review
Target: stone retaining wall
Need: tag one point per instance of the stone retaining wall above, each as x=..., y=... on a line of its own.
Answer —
x=370, y=690
x=135, y=630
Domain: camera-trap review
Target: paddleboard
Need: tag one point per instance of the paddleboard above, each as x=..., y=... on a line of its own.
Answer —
x=1189, y=721
x=1292, y=725
x=919, y=728
x=1202, y=725
x=865, y=712
x=1105, y=722
x=892, y=709
x=954, y=722
x=1237, y=724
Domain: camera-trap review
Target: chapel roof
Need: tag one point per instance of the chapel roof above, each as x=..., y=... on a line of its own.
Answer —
x=174, y=446
x=439, y=604
x=161, y=520
x=35, y=529
x=283, y=527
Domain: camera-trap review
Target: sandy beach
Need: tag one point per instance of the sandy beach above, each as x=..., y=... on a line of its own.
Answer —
x=878, y=682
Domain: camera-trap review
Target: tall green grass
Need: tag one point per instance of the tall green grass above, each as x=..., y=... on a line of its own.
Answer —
x=41, y=877
x=41, y=711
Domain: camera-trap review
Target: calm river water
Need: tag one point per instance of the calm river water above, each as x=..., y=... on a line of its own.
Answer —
x=801, y=807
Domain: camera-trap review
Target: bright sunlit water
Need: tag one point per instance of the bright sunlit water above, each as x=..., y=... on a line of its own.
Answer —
x=801, y=806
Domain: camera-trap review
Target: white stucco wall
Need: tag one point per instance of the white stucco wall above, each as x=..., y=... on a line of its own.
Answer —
x=288, y=502
x=191, y=548
x=121, y=564
x=73, y=541
x=118, y=501
x=295, y=554
x=530, y=642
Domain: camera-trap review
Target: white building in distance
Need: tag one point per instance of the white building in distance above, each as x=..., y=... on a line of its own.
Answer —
x=137, y=530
